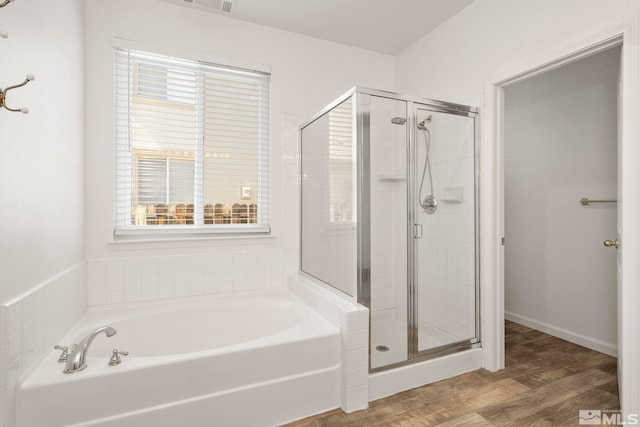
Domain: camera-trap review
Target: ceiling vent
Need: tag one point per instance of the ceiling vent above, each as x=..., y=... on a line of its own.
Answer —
x=224, y=6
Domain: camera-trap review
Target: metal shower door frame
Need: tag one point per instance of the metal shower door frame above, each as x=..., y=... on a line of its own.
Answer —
x=362, y=97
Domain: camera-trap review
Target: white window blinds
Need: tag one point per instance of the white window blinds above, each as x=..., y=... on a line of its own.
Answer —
x=340, y=173
x=193, y=152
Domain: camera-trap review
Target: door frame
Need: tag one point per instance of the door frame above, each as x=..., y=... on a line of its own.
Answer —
x=492, y=200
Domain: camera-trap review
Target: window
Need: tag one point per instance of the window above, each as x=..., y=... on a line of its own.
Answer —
x=340, y=170
x=193, y=152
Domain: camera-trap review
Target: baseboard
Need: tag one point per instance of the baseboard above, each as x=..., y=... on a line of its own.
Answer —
x=592, y=343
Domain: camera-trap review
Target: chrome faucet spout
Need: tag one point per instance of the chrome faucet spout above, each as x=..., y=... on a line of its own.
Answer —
x=76, y=361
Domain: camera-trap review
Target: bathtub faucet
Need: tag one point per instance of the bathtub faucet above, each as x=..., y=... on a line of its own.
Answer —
x=76, y=359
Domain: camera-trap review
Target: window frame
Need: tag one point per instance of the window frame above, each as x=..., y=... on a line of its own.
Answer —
x=124, y=228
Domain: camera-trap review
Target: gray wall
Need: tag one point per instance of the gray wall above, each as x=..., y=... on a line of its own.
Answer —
x=560, y=145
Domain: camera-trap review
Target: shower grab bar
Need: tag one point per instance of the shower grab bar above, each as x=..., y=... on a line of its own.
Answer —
x=585, y=201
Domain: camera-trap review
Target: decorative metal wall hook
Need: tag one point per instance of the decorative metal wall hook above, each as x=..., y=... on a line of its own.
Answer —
x=6, y=2
x=3, y=95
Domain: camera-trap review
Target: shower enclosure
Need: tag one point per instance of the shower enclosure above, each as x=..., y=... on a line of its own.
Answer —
x=389, y=219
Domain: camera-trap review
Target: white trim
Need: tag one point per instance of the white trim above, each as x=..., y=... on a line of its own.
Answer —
x=583, y=340
x=493, y=202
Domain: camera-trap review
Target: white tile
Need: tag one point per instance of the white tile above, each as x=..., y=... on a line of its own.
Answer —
x=39, y=302
x=197, y=288
x=4, y=349
x=181, y=263
x=133, y=266
x=14, y=317
x=3, y=405
x=28, y=308
x=133, y=295
x=132, y=281
x=150, y=281
x=357, y=377
x=98, y=284
x=150, y=294
x=97, y=268
x=13, y=373
x=14, y=347
x=166, y=266
x=356, y=397
x=181, y=288
x=197, y=262
x=239, y=283
x=150, y=267
x=115, y=267
x=357, y=358
x=28, y=337
x=115, y=283
x=115, y=297
x=239, y=262
x=10, y=406
x=357, y=340
x=166, y=292
x=97, y=298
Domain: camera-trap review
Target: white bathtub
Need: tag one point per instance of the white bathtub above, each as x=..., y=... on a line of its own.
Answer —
x=257, y=360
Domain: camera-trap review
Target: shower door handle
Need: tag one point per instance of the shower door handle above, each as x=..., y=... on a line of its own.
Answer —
x=417, y=231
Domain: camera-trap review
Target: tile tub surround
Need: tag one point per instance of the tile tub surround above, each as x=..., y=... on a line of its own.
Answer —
x=151, y=278
x=31, y=324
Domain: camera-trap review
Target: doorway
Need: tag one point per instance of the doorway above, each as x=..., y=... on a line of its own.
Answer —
x=628, y=296
x=560, y=192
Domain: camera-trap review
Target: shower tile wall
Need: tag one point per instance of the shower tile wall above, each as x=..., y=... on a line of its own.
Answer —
x=388, y=162
x=446, y=273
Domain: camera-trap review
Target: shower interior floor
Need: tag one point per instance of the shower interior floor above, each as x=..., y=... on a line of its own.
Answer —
x=390, y=336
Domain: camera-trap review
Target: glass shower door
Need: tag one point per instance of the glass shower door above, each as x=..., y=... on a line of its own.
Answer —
x=445, y=209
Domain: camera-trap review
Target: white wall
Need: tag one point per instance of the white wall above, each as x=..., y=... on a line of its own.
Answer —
x=307, y=74
x=490, y=37
x=42, y=269
x=41, y=167
x=560, y=146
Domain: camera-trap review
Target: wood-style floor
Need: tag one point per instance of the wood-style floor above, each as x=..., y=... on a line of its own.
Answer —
x=545, y=382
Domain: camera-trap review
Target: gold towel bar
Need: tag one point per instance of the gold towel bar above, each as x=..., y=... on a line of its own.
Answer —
x=585, y=201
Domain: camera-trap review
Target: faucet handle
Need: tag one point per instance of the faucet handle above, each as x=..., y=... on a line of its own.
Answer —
x=64, y=355
x=115, y=357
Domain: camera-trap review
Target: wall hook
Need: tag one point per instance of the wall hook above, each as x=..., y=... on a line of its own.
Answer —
x=3, y=94
x=6, y=2
x=4, y=34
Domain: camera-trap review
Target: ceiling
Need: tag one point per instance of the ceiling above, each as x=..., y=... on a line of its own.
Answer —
x=385, y=26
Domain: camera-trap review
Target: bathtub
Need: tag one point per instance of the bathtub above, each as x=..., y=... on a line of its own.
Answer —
x=256, y=360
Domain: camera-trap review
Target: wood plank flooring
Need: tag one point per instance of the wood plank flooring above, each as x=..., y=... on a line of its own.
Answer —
x=545, y=382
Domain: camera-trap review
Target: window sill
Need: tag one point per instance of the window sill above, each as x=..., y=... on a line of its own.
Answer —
x=133, y=238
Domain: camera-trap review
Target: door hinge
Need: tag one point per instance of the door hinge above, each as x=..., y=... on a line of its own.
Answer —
x=502, y=241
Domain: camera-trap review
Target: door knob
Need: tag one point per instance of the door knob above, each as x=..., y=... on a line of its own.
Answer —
x=610, y=243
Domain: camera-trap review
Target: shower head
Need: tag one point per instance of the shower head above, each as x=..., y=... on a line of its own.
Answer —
x=398, y=120
x=423, y=124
